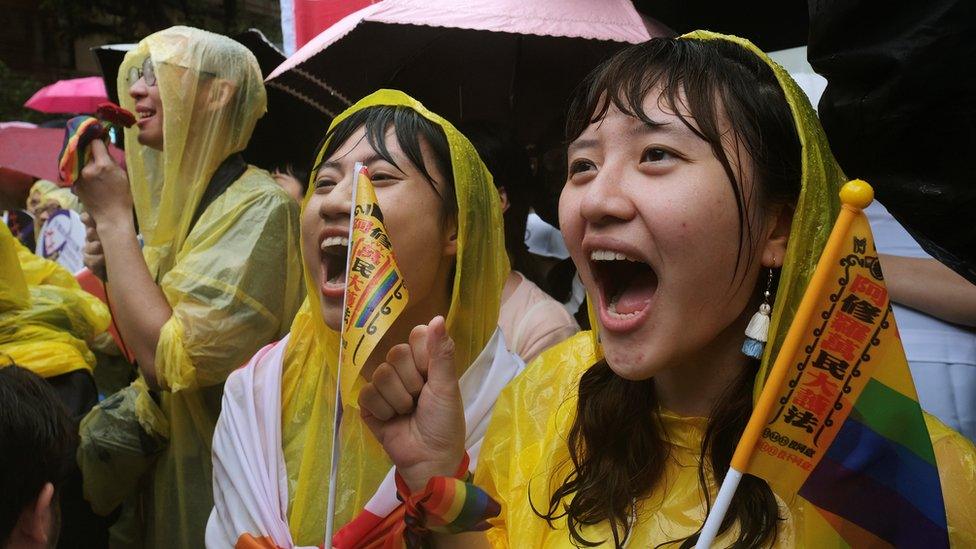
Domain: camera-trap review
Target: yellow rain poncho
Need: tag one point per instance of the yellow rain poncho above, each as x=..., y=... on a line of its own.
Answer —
x=37, y=191
x=65, y=199
x=308, y=382
x=232, y=276
x=38, y=270
x=46, y=320
x=526, y=440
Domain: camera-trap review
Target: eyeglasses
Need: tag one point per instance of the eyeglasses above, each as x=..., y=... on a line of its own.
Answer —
x=147, y=71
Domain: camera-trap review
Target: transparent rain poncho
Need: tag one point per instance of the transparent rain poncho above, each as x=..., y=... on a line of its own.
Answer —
x=65, y=199
x=526, y=441
x=232, y=276
x=46, y=320
x=308, y=382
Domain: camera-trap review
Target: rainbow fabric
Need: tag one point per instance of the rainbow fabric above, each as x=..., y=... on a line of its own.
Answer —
x=79, y=132
x=375, y=294
x=448, y=505
x=845, y=431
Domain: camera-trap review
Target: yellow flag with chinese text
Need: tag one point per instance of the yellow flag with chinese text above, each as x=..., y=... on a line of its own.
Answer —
x=375, y=293
x=841, y=426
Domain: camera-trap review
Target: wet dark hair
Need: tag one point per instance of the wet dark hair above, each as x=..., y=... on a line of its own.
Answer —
x=508, y=163
x=38, y=443
x=613, y=467
x=409, y=128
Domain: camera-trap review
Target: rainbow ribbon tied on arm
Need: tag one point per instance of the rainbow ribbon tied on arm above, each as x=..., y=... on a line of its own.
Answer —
x=838, y=422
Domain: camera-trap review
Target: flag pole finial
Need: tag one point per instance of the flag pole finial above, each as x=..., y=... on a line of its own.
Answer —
x=857, y=193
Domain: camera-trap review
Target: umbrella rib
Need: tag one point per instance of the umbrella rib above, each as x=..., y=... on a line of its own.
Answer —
x=324, y=85
x=311, y=102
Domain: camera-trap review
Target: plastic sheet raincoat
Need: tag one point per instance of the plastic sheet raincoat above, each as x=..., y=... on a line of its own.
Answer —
x=307, y=365
x=230, y=270
x=37, y=192
x=46, y=320
x=526, y=441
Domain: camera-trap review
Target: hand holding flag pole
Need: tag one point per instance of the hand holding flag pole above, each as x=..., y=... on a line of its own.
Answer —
x=869, y=475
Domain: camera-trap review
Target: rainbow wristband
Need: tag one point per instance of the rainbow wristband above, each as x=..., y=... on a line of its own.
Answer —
x=448, y=505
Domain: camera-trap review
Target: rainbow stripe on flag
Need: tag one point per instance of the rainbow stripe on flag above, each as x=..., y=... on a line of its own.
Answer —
x=838, y=422
x=375, y=294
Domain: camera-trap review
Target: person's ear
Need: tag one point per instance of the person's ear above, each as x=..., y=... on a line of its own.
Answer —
x=451, y=236
x=35, y=520
x=503, y=197
x=778, y=225
x=221, y=92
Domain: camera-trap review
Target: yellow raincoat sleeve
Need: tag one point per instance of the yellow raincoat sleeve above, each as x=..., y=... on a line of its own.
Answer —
x=235, y=285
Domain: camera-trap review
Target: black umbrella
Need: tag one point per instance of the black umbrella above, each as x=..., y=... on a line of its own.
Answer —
x=288, y=133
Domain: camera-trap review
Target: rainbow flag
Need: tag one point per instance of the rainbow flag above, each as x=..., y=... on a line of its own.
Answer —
x=375, y=294
x=838, y=422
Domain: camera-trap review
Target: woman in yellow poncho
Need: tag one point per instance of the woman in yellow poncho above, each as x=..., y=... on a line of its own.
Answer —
x=219, y=275
x=697, y=172
x=443, y=217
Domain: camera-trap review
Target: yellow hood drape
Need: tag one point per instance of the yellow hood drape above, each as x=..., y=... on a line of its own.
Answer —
x=816, y=208
x=65, y=198
x=526, y=439
x=40, y=188
x=212, y=95
x=308, y=381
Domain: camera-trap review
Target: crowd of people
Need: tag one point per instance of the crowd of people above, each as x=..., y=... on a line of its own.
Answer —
x=694, y=171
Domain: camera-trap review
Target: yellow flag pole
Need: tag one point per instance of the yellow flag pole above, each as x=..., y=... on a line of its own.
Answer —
x=334, y=464
x=855, y=195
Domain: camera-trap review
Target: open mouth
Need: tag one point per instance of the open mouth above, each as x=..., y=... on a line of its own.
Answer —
x=143, y=114
x=334, y=251
x=627, y=286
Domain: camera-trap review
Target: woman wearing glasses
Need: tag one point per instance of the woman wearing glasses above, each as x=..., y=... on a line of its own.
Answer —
x=219, y=275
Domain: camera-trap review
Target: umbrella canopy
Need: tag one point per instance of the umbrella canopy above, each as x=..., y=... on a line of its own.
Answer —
x=109, y=58
x=505, y=61
x=26, y=154
x=31, y=151
x=284, y=135
x=77, y=95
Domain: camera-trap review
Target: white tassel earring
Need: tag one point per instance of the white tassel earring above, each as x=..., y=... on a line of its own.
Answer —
x=757, y=331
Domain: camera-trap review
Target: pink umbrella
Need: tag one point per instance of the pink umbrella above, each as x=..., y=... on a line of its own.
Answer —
x=31, y=151
x=77, y=95
x=508, y=61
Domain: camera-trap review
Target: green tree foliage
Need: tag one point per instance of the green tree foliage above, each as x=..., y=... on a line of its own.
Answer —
x=130, y=20
x=15, y=89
